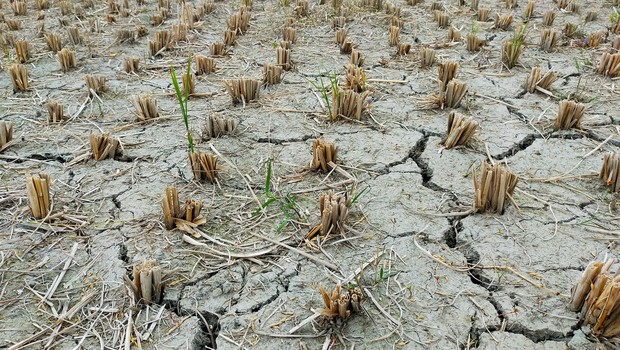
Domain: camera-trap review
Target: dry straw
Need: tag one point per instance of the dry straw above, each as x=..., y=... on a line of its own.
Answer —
x=42, y=5
x=38, y=189
x=131, y=64
x=323, y=153
x=19, y=7
x=218, y=49
x=55, y=112
x=242, y=90
x=548, y=18
x=593, y=39
x=610, y=171
x=356, y=58
x=510, y=4
x=272, y=74
x=6, y=134
x=355, y=78
x=512, y=50
x=66, y=7
x=338, y=22
x=215, y=126
x=334, y=209
x=289, y=34
x=570, y=115
x=348, y=104
x=341, y=36
x=347, y=47
x=53, y=41
x=446, y=71
x=283, y=58
x=179, y=32
x=103, y=146
x=454, y=93
x=177, y=216
x=537, y=81
x=302, y=8
x=19, y=77
x=473, y=4
x=460, y=130
x=148, y=284
x=496, y=185
x=146, y=107
x=230, y=38
x=13, y=24
x=74, y=36
x=162, y=42
x=393, y=39
x=189, y=83
x=22, y=51
x=67, y=59
x=615, y=45
x=204, y=166
x=474, y=43
x=454, y=34
x=503, y=22
x=609, y=65
x=529, y=10
x=569, y=30
x=125, y=36
x=341, y=302
x=483, y=14
x=239, y=21
x=96, y=83
x=597, y=295
x=427, y=57
x=403, y=49
x=591, y=16
x=568, y=5
x=442, y=19
x=548, y=39
x=396, y=22
x=204, y=64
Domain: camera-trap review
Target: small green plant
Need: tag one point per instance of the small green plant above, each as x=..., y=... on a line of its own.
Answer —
x=513, y=48
x=614, y=17
x=183, y=97
x=287, y=203
x=474, y=27
x=333, y=82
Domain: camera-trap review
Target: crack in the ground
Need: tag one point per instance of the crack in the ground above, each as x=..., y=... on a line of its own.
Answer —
x=275, y=141
x=523, y=144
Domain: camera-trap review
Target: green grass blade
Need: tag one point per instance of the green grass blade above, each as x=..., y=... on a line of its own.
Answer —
x=268, y=179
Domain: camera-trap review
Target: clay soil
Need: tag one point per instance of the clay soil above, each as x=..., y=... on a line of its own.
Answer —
x=433, y=274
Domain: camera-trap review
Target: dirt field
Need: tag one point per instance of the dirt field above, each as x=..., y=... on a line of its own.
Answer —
x=432, y=273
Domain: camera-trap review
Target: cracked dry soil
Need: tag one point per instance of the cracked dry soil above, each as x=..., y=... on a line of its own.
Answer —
x=437, y=280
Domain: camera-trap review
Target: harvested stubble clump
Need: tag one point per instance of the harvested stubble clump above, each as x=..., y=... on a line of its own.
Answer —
x=324, y=153
x=146, y=107
x=597, y=296
x=6, y=134
x=610, y=172
x=537, y=81
x=204, y=166
x=496, y=185
x=341, y=302
x=147, y=285
x=242, y=90
x=104, y=146
x=177, y=216
x=55, y=111
x=460, y=129
x=216, y=126
x=570, y=115
x=38, y=187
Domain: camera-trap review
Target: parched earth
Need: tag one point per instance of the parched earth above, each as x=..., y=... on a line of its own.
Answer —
x=433, y=275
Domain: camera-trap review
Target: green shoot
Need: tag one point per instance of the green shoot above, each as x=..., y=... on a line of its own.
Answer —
x=183, y=97
x=323, y=92
x=357, y=195
x=287, y=206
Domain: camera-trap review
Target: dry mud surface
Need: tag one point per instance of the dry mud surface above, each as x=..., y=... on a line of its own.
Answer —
x=430, y=279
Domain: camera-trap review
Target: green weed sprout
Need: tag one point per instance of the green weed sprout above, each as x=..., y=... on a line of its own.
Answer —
x=183, y=98
x=287, y=207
